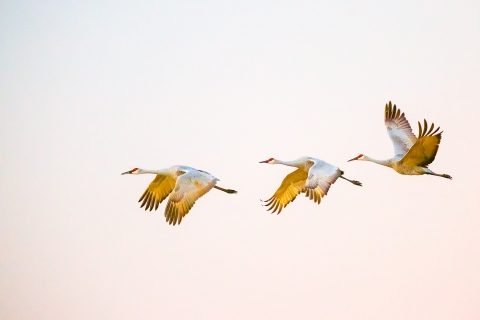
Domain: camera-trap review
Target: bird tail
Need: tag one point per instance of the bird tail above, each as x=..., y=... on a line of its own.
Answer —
x=225, y=190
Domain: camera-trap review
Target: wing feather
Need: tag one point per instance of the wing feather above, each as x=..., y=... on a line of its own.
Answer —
x=398, y=129
x=189, y=187
x=157, y=191
x=291, y=187
x=320, y=177
x=423, y=152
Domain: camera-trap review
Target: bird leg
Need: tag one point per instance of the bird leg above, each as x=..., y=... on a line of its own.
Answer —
x=355, y=182
x=441, y=175
x=225, y=190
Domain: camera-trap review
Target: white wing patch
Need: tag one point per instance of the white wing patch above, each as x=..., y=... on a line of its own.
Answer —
x=398, y=130
x=320, y=177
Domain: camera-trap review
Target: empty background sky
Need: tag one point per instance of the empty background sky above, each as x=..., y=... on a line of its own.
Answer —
x=90, y=89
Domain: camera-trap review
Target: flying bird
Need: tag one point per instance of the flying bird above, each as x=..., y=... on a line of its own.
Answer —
x=184, y=185
x=412, y=154
x=312, y=177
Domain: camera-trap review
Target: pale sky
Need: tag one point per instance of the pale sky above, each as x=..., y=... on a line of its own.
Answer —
x=90, y=89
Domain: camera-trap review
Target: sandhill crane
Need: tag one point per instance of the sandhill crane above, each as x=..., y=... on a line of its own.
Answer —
x=184, y=185
x=313, y=177
x=412, y=154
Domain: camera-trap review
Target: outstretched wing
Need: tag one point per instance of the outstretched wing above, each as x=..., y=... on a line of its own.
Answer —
x=189, y=187
x=157, y=191
x=424, y=150
x=320, y=177
x=291, y=186
x=398, y=129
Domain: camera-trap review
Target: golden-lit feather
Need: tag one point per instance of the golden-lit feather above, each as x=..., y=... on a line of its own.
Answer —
x=315, y=194
x=157, y=191
x=291, y=186
x=423, y=152
x=190, y=186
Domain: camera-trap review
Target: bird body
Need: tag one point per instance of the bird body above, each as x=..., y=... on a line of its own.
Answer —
x=412, y=154
x=184, y=185
x=312, y=177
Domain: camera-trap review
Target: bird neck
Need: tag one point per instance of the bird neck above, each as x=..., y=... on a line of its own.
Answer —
x=158, y=171
x=386, y=163
x=295, y=163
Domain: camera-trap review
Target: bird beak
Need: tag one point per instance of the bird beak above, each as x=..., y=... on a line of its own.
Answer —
x=356, y=158
x=128, y=172
x=266, y=161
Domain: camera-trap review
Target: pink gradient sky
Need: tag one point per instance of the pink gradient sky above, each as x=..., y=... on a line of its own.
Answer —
x=89, y=89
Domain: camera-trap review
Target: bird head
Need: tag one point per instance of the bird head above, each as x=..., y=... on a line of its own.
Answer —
x=359, y=157
x=271, y=161
x=133, y=171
